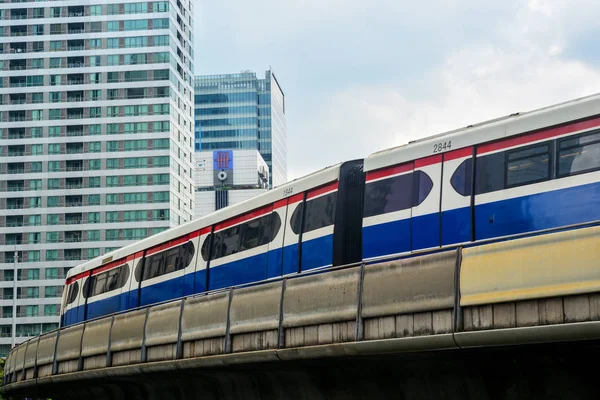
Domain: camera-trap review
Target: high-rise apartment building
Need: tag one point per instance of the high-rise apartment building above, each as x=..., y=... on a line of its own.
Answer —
x=96, y=141
x=239, y=111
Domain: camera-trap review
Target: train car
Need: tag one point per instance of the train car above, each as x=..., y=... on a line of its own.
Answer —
x=313, y=222
x=511, y=176
x=515, y=175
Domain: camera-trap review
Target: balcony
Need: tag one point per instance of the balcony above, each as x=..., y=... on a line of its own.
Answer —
x=15, y=188
x=75, y=98
x=15, y=205
x=73, y=221
x=17, y=66
x=75, y=116
x=12, y=223
x=16, y=134
x=75, y=82
x=16, y=171
x=75, y=133
x=16, y=153
x=16, y=118
x=74, y=149
x=75, y=65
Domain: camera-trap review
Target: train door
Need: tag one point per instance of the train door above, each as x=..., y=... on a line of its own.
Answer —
x=425, y=219
x=191, y=252
x=457, y=188
x=278, y=220
x=203, y=260
x=316, y=239
x=130, y=298
x=85, y=293
x=387, y=210
x=291, y=233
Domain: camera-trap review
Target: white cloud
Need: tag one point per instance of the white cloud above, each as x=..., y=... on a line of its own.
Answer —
x=520, y=71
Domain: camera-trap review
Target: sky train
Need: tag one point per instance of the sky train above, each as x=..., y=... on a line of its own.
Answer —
x=518, y=174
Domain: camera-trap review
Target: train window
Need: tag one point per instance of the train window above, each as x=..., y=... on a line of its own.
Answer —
x=206, y=247
x=251, y=235
x=461, y=179
x=72, y=294
x=108, y=281
x=296, y=219
x=579, y=154
x=228, y=243
x=320, y=212
x=174, y=259
x=245, y=236
x=425, y=185
x=388, y=195
x=489, y=173
x=528, y=165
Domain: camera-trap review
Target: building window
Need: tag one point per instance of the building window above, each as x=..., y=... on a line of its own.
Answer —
x=50, y=309
x=112, y=181
x=53, y=166
x=35, y=220
x=94, y=199
x=54, y=148
x=135, y=216
x=53, y=131
x=112, y=198
x=93, y=236
x=51, y=237
x=135, y=198
x=52, y=219
x=112, y=234
x=111, y=216
x=95, y=112
x=160, y=197
x=93, y=253
x=51, y=255
x=93, y=218
x=33, y=256
x=95, y=129
x=53, y=201
x=112, y=60
x=51, y=273
x=94, y=165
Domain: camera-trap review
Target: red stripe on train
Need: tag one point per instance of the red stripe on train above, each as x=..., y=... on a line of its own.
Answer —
x=245, y=217
x=431, y=160
x=540, y=135
x=460, y=153
x=322, y=190
x=389, y=171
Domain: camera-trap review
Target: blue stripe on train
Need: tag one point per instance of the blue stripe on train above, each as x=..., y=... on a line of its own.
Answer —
x=538, y=211
x=230, y=274
x=501, y=218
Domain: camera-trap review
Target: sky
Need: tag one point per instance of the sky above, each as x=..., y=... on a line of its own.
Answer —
x=361, y=76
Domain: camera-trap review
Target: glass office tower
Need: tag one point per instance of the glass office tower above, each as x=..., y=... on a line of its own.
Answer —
x=96, y=141
x=240, y=111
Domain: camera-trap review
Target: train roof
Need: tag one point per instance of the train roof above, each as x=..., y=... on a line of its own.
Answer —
x=298, y=185
x=490, y=130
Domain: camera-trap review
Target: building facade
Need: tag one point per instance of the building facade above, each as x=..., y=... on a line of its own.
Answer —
x=227, y=177
x=242, y=112
x=96, y=141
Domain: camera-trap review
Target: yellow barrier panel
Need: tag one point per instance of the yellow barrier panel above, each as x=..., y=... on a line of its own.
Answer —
x=550, y=265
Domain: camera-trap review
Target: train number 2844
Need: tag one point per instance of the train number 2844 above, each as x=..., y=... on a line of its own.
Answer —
x=439, y=147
